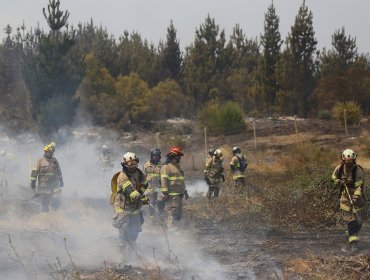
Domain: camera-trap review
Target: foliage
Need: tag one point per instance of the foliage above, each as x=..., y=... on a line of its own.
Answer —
x=324, y=115
x=53, y=72
x=129, y=81
x=170, y=56
x=203, y=64
x=301, y=46
x=14, y=97
x=271, y=42
x=166, y=101
x=349, y=110
x=222, y=119
x=135, y=55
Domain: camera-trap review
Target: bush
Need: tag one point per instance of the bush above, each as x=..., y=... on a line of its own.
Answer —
x=351, y=109
x=324, y=115
x=223, y=119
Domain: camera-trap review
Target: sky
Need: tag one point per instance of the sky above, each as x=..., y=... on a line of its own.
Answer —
x=151, y=18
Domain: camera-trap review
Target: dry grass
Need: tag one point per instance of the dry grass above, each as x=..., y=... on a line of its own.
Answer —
x=328, y=268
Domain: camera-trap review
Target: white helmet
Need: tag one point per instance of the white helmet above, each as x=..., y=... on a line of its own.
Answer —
x=130, y=159
x=218, y=153
x=349, y=154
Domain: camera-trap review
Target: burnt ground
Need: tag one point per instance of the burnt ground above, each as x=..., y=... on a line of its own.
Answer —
x=77, y=242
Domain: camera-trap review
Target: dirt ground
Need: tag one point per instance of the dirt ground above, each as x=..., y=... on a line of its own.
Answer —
x=78, y=241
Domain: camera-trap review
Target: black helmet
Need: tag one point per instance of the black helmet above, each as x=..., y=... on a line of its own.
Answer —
x=236, y=150
x=155, y=152
x=211, y=151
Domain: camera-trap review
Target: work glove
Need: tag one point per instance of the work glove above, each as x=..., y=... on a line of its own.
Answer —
x=144, y=200
x=223, y=178
x=33, y=185
x=186, y=195
x=61, y=183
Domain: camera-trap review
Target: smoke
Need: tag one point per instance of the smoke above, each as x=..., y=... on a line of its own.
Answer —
x=35, y=245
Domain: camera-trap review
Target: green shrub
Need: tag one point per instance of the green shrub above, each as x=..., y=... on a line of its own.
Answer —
x=324, y=115
x=223, y=119
x=351, y=109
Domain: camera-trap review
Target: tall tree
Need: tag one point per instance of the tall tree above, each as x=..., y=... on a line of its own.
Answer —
x=170, y=56
x=14, y=98
x=243, y=54
x=204, y=64
x=301, y=44
x=53, y=72
x=97, y=41
x=343, y=54
x=135, y=55
x=271, y=43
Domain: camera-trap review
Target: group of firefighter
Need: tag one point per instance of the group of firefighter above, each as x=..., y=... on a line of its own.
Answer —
x=161, y=186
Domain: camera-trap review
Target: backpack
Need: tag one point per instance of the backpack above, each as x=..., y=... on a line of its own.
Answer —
x=114, y=186
x=242, y=163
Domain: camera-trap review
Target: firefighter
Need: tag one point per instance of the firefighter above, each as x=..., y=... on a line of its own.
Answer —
x=50, y=180
x=238, y=165
x=128, y=218
x=106, y=158
x=211, y=151
x=173, y=185
x=213, y=173
x=152, y=171
x=349, y=178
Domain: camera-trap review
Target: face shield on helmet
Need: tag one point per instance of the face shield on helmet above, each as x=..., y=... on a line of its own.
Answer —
x=349, y=157
x=130, y=160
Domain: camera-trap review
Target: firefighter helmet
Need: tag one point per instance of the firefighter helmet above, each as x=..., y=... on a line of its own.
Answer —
x=349, y=154
x=49, y=148
x=155, y=152
x=218, y=153
x=130, y=159
x=236, y=150
x=175, y=151
x=211, y=151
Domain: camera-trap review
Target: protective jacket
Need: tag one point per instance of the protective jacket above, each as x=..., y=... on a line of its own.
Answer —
x=236, y=166
x=49, y=175
x=153, y=175
x=214, y=170
x=354, y=180
x=172, y=179
x=130, y=190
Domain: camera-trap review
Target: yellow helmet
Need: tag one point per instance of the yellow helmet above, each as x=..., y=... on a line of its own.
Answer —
x=49, y=148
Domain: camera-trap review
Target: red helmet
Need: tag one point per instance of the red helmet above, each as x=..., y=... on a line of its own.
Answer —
x=175, y=151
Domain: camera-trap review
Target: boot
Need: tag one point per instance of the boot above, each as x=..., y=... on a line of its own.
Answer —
x=354, y=247
x=345, y=248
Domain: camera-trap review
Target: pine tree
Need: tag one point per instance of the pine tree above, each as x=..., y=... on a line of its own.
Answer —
x=271, y=43
x=52, y=71
x=170, y=56
x=204, y=64
x=301, y=44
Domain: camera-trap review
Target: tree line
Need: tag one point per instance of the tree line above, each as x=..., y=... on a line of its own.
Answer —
x=47, y=78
